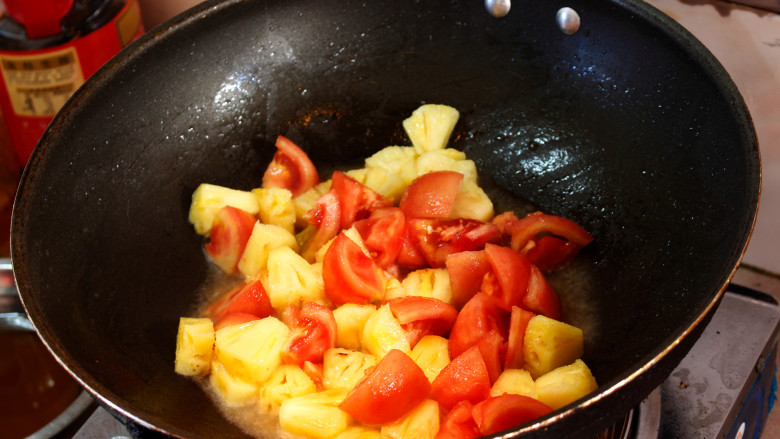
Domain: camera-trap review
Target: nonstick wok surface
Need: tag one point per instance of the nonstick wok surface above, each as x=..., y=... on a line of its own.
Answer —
x=629, y=127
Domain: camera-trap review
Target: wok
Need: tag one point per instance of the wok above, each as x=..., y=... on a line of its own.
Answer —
x=629, y=126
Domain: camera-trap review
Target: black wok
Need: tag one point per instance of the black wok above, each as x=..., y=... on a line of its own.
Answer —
x=629, y=126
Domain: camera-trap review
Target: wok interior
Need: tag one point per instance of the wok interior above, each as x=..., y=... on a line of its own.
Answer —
x=618, y=127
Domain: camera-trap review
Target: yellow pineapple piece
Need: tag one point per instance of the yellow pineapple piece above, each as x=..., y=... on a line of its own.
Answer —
x=208, y=199
x=472, y=202
x=194, y=346
x=232, y=391
x=566, y=384
x=395, y=160
x=292, y=280
x=420, y=423
x=432, y=354
x=382, y=333
x=358, y=174
x=315, y=415
x=430, y=126
x=264, y=238
x=350, y=319
x=394, y=289
x=386, y=184
x=515, y=382
x=429, y=282
x=352, y=234
x=550, y=344
x=359, y=432
x=287, y=381
x=343, y=368
x=251, y=351
x=304, y=202
x=447, y=160
x=276, y=207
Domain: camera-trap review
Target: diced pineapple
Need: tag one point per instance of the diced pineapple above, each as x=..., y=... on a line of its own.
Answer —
x=430, y=126
x=315, y=415
x=287, y=381
x=292, y=280
x=276, y=207
x=264, y=238
x=194, y=346
x=565, y=384
x=306, y=201
x=431, y=353
x=394, y=289
x=343, y=368
x=232, y=391
x=359, y=432
x=208, y=199
x=251, y=351
x=352, y=234
x=382, y=333
x=350, y=319
x=447, y=160
x=472, y=202
x=515, y=382
x=396, y=160
x=549, y=344
x=358, y=174
x=420, y=423
x=386, y=184
x=429, y=282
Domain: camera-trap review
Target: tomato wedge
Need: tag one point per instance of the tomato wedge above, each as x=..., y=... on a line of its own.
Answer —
x=512, y=271
x=388, y=391
x=326, y=217
x=464, y=378
x=250, y=298
x=234, y=318
x=383, y=234
x=290, y=168
x=499, y=413
x=493, y=351
x=476, y=319
x=420, y=316
x=409, y=255
x=467, y=270
x=357, y=200
x=541, y=298
x=533, y=224
x=230, y=231
x=459, y=423
x=438, y=238
x=518, y=322
x=312, y=332
x=349, y=275
x=551, y=253
x=431, y=195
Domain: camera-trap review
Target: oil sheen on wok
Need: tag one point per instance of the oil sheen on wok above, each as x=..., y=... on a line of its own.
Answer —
x=388, y=301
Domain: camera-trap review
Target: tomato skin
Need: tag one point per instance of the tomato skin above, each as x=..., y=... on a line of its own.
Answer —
x=438, y=238
x=388, y=391
x=512, y=272
x=349, y=275
x=493, y=350
x=518, y=322
x=478, y=317
x=421, y=316
x=313, y=331
x=230, y=232
x=250, y=298
x=464, y=378
x=291, y=168
x=431, y=195
x=234, y=318
x=550, y=253
x=357, y=200
x=467, y=270
x=326, y=216
x=499, y=413
x=535, y=223
x=541, y=298
x=383, y=234
x=459, y=423
x=409, y=255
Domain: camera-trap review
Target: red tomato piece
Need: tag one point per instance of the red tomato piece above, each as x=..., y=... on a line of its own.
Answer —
x=421, y=316
x=518, y=322
x=383, y=233
x=326, y=217
x=499, y=413
x=466, y=270
x=541, y=298
x=478, y=317
x=312, y=333
x=512, y=271
x=357, y=200
x=537, y=223
x=409, y=255
x=349, y=275
x=234, y=318
x=250, y=298
x=493, y=350
x=551, y=253
x=464, y=378
x=459, y=423
x=388, y=391
x=291, y=168
x=230, y=232
x=431, y=195
x=438, y=238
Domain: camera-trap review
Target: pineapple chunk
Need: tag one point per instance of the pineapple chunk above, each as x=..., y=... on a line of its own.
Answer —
x=344, y=368
x=388, y=185
x=352, y=234
x=350, y=319
x=550, y=344
x=394, y=289
x=515, y=382
x=208, y=199
x=287, y=381
x=429, y=282
x=395, y=160
x=565, y=384
x=194, y=346
x=232, y=391
x=264, y=238
x=382, y=333
x=304, y=202
x=251, y=351
x=359, y=432
x=315, y=415
x=358, y=174
x=472, y=202
x=420, y=423
x=432, y=354
x=276, y=207
x=430, y=126
x=447, y=160
x=292, y=280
